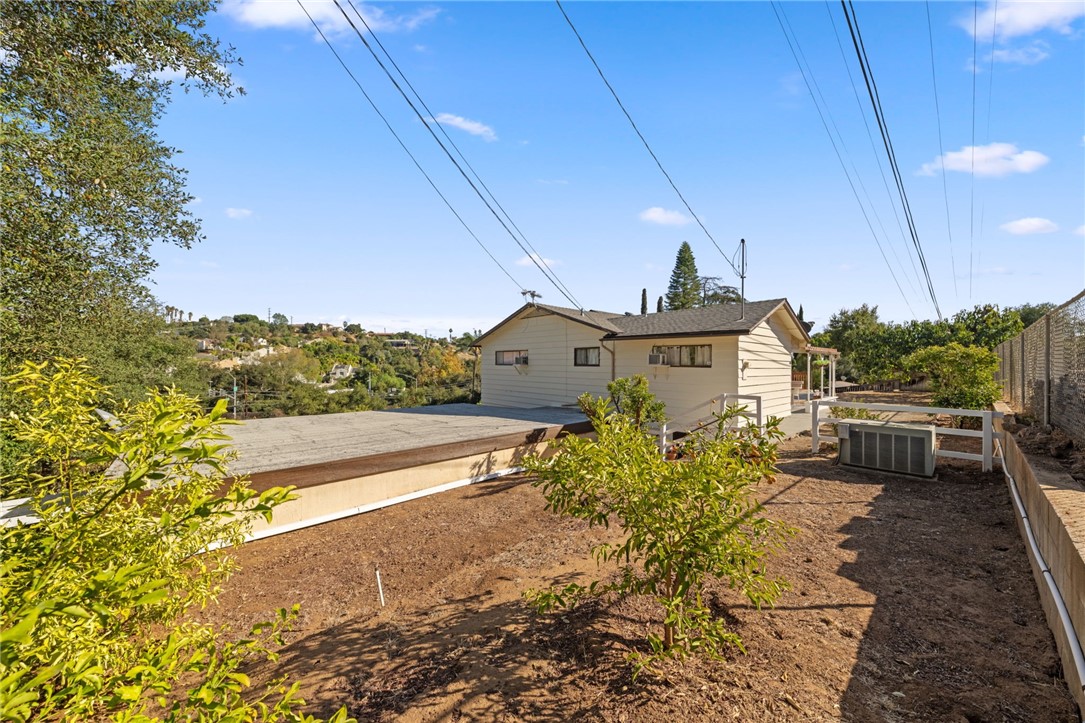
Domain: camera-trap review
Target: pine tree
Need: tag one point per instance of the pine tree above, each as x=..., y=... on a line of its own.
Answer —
x=643, y=301
x=684, y=291
x=659, y=305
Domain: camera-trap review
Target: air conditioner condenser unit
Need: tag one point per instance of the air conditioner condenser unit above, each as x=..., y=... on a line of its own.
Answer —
x=887, y=446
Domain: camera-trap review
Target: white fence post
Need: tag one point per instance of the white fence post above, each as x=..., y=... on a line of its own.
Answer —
x=815, y=414
x=988, y=441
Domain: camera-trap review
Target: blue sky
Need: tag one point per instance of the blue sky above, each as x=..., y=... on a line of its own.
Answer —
x=311, y=208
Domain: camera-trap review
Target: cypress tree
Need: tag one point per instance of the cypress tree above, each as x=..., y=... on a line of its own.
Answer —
x=643, y=301
x=659, y=305
x=684, y=291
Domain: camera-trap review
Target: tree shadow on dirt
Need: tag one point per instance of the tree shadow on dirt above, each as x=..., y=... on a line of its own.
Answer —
x=461, y=657
x=956, y=631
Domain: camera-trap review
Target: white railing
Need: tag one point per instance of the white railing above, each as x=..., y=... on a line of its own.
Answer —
x=987, y=434
x=725, y=400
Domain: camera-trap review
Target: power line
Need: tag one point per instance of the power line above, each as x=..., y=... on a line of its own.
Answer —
x=972, y=185
x=643, y=140
x=406, y=150
x=447, y=137
x=941, y=150
x=534, y=257
x=778, y=12
x=877, y=156
x=875, y=99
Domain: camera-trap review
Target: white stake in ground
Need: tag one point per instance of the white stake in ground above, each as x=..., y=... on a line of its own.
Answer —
x=380, y=588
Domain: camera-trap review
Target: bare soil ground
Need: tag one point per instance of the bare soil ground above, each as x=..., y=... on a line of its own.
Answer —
x=911, y=600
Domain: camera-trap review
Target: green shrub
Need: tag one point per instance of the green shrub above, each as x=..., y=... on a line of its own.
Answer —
x=684, y=522
x=962, y=377
x=94, y=596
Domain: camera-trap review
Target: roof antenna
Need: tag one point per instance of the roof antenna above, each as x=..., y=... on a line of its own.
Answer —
x=533, y=294
x=742, y=276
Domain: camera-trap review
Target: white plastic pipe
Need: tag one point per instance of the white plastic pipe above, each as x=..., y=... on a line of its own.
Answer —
x=1064, y=615
x=380, y=588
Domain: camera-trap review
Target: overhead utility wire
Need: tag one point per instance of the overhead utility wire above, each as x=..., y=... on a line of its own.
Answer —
x=407, y=150
x=548, y=273
x=843, y=166
x=875, y=99
x=645, y=141
x=941, y=151
x=448, y=138
x=987, y=136
x=972, y=185
x=909, y=250
x=840, y=136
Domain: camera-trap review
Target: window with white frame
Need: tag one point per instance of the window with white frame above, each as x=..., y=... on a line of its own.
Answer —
x=691, y=355
x=509, y=358
x=586, y=356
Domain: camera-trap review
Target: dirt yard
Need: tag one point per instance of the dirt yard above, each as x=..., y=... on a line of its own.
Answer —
x=911, y=600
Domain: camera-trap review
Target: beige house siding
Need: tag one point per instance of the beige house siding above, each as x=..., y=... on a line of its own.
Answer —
x=550, y=379
x=766, y=352
x=682, y=388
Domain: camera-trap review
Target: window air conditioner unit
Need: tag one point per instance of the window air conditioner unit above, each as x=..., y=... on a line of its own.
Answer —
x=902, y=448
x=520, y=361
x=657, y=360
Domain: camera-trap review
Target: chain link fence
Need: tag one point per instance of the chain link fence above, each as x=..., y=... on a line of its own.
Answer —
x=1042, y=370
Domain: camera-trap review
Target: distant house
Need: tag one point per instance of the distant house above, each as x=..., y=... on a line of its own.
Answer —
x=400, y=343
x=340, y=372
x=542, y=356
x=204, y=345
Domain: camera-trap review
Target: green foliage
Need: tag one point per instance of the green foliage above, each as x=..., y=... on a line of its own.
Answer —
x=962, y=377
x=659, y=305
x=683, y=522
x=986, y=325
x=631, y=398
x=684, y=290
x=94, y=596
x=1031, y=313
x=643, y=301
x=874, y=351
x=88, y=187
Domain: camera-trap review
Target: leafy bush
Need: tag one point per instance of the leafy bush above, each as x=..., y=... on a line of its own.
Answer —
x=94, y=596
x=632, y=399
x=962, y=377
x=684, y=522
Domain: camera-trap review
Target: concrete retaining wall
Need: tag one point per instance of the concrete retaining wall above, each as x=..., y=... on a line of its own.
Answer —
x=1055, y=505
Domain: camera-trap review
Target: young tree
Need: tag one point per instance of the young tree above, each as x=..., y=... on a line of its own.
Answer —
x=643, y=302
x=684, y=290
x=962, y=377
x=684, y=522
x=88, y=187
x=95, y=597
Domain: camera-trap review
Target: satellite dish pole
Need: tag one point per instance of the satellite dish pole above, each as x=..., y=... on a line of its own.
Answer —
x=742, y=278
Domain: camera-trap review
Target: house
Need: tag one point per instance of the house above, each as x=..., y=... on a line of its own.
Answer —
x=544, y=356
x=340, y=372
x=206, y=345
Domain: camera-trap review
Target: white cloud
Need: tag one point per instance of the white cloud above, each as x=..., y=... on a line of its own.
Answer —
x=263, y=14
x=1029, y=226
x=533, y=258
x=238, y=213
x=660, y=215
x=1015, y=19
x=1080, y=230
x=1028, y=55
x=467, y=125
x=995, y=159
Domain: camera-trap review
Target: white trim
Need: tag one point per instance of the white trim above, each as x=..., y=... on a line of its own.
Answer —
x=369, y=507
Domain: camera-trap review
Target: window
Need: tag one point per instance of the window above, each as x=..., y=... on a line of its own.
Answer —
x=699, y=355
x=508, y=358
x=586, y=356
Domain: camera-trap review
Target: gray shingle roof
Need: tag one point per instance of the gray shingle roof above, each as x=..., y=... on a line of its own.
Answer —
x=704, y=321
